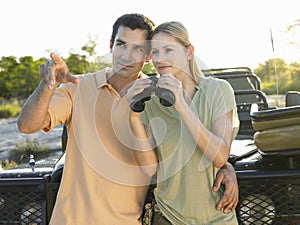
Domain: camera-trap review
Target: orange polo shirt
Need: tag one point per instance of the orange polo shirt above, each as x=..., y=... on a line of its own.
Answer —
x=101, y=182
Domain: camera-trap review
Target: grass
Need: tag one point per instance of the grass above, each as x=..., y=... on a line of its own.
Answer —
x=8, y=164
x=20, y=154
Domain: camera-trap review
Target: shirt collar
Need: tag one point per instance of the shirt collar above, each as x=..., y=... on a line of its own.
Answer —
x=101, y=77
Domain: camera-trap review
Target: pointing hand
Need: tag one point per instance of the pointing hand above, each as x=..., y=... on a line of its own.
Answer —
x=55, y=71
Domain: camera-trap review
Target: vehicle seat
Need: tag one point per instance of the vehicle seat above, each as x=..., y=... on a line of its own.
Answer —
x=277, y=129
x=292, y=98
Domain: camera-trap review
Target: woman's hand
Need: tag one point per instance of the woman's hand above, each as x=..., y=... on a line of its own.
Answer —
x=169, y=82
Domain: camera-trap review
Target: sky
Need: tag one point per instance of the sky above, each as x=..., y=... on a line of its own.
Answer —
x=225, y=33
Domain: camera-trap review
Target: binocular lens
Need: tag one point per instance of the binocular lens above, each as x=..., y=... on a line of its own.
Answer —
x=167, y=99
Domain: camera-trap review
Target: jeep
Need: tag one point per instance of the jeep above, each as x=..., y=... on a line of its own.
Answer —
x=265, y=155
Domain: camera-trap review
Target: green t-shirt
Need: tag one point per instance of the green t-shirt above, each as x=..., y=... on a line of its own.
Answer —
x=185, y=177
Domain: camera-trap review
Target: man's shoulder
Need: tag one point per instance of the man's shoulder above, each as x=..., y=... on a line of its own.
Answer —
x=99, y=77
x=92, y=75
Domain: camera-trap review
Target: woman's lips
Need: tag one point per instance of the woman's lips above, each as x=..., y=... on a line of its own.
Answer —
x=163, y=67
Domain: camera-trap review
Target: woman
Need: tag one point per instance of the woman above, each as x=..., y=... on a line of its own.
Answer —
x=193, y=136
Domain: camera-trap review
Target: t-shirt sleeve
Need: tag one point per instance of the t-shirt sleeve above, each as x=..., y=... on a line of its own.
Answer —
x=224, y=102
x=60, y=108
x=144, y=118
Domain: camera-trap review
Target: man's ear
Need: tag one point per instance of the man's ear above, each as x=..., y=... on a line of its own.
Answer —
x=148, y=57
x=110, y=45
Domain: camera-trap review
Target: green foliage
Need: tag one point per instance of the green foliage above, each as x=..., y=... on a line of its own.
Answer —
x=90, y=47
x=77, y=64
x=149, y=68
x=10, y=109
x=20, y=77
x=294, y=28
x=8, y=164
x=276, y=70
x=22, y=151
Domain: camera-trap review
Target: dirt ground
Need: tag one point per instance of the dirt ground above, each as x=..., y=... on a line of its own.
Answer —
x=10, y=136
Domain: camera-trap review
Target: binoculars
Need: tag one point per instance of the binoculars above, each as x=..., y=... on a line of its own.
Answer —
x=167, y=98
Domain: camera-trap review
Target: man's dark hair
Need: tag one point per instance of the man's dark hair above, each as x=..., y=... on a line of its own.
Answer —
x=133, y=21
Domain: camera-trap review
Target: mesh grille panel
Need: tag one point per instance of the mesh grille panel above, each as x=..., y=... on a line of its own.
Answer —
x=264, y=202
x=20, y=208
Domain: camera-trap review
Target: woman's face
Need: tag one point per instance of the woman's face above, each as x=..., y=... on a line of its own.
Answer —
x=168, y=55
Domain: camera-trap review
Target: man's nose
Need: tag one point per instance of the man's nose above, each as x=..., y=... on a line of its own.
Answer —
x=128, y=54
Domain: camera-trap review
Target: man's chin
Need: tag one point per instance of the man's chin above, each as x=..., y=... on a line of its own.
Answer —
x=126, y=73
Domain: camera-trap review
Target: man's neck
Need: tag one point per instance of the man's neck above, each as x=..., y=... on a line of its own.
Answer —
x=121, y=84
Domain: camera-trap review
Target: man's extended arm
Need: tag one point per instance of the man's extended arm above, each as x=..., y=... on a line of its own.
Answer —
x=34, y=114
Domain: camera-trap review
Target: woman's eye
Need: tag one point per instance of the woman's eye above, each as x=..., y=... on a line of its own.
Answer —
x=154, y=52
x=168, y=50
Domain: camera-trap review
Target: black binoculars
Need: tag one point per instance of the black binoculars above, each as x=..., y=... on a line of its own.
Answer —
x=167, y=98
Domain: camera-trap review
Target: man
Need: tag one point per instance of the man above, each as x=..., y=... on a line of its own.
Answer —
x=101, y=182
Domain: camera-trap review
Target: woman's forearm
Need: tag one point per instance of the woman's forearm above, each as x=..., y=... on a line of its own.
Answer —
x=215, y=147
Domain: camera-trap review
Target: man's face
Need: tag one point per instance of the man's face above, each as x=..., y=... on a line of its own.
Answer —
x=129, y=51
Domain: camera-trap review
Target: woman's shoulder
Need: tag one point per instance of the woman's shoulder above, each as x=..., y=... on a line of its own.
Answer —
x=206, y=83
x=212, y=80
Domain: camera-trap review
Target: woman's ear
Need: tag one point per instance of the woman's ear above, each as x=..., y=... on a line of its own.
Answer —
x=191, y=51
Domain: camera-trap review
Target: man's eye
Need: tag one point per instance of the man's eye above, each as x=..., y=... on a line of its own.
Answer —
x=140, y=49
x=120, y=45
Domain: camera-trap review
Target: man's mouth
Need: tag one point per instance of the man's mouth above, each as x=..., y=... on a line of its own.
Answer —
x=126, y=66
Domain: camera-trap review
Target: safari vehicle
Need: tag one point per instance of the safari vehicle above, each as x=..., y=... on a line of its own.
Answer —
x=265, y=154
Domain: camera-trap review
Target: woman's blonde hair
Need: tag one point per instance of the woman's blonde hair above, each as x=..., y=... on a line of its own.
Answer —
x=180, y=33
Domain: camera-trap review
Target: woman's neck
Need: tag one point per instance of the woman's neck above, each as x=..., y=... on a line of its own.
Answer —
x=188, y=86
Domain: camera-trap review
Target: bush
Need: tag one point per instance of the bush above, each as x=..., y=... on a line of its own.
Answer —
x=10, y=109
x=21, y=153
x=8, y=164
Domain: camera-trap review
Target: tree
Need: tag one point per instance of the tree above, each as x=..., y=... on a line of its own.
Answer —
x=148, y=68
x=27, y=75
x=294, y=28
x=276, y=73
x=77, y=64
x=90, y=47
x=8, y=66
x=294, y=69
x=267, y=71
